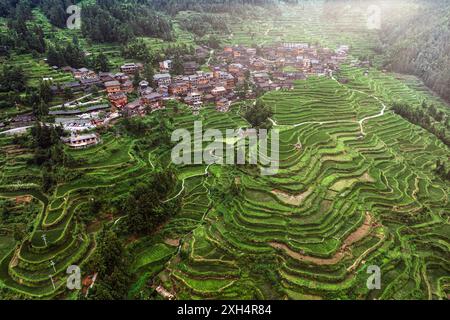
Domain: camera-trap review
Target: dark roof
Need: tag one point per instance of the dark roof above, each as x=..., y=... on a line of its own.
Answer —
x=71, y=84
x=76, y=111
x=24, y=118
x=90, y=81
x=127, y=83
x=112, y=83
x=117, y=95
x=153, y=96
x=134, y=104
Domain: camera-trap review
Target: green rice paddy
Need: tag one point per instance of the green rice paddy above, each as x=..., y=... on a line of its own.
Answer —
x=348, y=195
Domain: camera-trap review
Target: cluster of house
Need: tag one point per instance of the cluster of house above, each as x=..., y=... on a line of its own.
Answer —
x=266, y=68
x=86, y=79
x=195, y=87
x=78, y=120
x=276, y=67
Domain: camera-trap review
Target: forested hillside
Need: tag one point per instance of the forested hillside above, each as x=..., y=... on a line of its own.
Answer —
x=419, y=44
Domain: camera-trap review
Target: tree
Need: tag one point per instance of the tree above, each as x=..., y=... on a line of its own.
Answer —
x=258, y=115
x=137, y=78
x=12, y=78
x=67, y=54
x=101, y=63
x=213, y=42
x=40, y=109
x=68, y=94
x=45, y=91
x=111, y=261
x=48, y=150
x=161, y=128
x=148, y=205
x=177, y=66
x=148, y=73
x=19, y=232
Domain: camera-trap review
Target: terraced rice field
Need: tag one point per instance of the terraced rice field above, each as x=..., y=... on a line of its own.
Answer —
x=315, y=22
x=26, y=269
x=356, y=188
x=349, y=194
x=36, y=68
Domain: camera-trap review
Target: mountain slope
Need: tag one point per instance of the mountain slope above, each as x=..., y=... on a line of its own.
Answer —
x=420, y=45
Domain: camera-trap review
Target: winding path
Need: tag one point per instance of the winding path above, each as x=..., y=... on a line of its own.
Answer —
x=360, y=122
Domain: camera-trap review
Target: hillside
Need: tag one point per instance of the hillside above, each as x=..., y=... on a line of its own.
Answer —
x=89, y=179
x=419, y=43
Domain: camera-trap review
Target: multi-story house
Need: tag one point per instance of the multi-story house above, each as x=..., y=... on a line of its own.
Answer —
x=131, y=68
x=112, y=86
x=118, y=99
x=162, y=79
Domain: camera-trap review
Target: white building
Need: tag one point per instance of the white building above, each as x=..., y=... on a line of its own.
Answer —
x=82, y=141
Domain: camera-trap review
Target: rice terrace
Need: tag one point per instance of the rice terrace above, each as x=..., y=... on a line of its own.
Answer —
x=354, y=95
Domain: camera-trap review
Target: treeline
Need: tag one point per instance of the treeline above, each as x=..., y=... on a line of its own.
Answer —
x=428, y=118
x=48, y=153
x=13, y=8
x=118, y=21
x=22, y=36
x=12, y=78
x=55, y=11
x=236, y=7
x=202, y=24
x=13, y=89
x=419, y=44
x=68, y=54
x=138, y=49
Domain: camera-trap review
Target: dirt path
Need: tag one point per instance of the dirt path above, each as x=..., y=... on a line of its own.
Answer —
x=360, y=122
x=294, y=200
x=172, y=242
x=354, y=237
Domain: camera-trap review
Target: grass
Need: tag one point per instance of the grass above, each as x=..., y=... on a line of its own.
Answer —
x=294, y=235
x=7, y=243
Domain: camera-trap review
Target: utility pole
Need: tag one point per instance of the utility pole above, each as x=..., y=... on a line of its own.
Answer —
x=53, y=265
x=44, y=238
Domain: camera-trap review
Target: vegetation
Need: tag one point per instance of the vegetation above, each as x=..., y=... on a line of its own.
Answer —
x=146, y=205
x=111, y=262
x=417, y=44
x=115, y=21
x=258, y=115
x=66, y=55
x=428, y=119
x=12, y=79
x=363, y=177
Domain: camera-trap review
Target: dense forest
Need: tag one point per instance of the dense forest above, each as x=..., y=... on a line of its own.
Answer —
x=113, y=20
x=235, y=7
x=419, y=44
x=23, y=36
x=428, y=117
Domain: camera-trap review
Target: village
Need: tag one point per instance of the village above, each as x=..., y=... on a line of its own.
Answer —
x=235, y=73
